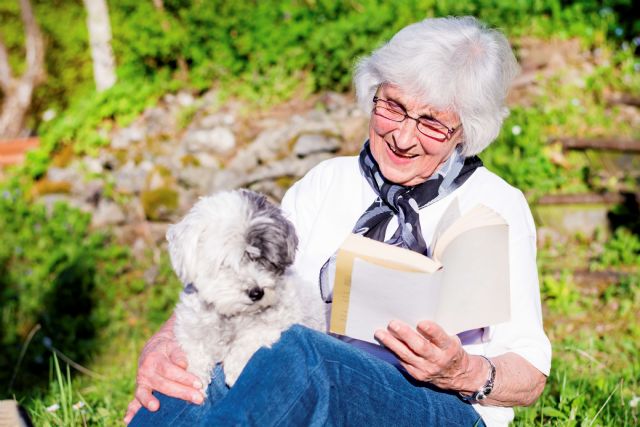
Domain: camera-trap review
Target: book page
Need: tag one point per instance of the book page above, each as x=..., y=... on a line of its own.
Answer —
x=376, y=283
x=475, y=291
x=382, y=254
x=478, y=216
x=451, y=215
x=379, y=295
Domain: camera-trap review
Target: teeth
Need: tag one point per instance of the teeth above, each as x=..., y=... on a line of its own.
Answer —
x=408, y=156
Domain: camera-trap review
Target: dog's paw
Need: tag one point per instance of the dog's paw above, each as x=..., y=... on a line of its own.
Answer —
x=232, y=371
x=203, y=371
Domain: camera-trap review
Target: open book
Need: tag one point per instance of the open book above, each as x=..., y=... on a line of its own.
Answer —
x=464, y=285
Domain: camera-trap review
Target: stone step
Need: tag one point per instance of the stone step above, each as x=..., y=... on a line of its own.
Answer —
x=625, y=145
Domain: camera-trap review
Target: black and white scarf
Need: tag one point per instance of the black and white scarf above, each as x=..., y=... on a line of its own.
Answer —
x=402, y=202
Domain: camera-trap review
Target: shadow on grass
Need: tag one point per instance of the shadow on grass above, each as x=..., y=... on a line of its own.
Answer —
x=65, y=314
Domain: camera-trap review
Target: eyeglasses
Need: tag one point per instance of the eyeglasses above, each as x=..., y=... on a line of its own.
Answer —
x=428, y=126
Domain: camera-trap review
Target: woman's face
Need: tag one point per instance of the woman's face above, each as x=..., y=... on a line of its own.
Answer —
x=406, y=156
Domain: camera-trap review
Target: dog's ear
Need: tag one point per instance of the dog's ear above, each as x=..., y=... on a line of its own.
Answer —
x=271, y=238
x=183, y=246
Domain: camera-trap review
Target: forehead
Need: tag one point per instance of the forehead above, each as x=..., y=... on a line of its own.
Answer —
x=413, y=103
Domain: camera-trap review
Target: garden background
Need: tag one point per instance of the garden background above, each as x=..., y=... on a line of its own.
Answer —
x=216, y=94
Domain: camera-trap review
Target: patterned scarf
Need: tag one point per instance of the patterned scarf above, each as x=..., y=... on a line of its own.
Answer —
x=395, y=200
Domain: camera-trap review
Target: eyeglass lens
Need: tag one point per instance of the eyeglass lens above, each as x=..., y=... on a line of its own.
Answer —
x=396, y=113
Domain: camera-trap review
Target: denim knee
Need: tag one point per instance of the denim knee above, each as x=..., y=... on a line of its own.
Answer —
x=310, y=345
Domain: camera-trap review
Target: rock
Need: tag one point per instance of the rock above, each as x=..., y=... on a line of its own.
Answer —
x=108, y=160
x=271, y=189
x=93, y=165
x=155, y=180
x=91, y=191
x=139, y=248
x=158, y=231
x=215, y=120
x=130, y=179
x=314, y=143
x=188, y=198
x=49, y=201
x=157, y=121
x=196, y=177
x=288, y=168
x=68, y=174
x=159, y=204
x=107, y=213
x=126, y=137
x=219, y=140
x=208, y=161
x=185, y=99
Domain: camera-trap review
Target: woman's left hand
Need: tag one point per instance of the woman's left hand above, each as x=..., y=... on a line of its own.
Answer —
x=429, y=354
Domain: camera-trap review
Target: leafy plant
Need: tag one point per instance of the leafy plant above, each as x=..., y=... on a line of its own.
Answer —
x=623, y=249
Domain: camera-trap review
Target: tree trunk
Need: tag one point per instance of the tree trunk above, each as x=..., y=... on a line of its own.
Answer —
x=17, y=92
x=100, y=38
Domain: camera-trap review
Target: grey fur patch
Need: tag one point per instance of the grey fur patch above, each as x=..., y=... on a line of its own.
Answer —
x=190, y=289
x=271, y=233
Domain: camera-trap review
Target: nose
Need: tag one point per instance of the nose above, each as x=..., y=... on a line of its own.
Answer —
x=404, y=137
x=255, y=294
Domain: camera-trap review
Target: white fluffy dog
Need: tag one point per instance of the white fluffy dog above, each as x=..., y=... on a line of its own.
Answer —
x=232, y=252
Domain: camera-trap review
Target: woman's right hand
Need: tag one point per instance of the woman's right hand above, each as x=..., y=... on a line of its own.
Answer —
x=163, y=367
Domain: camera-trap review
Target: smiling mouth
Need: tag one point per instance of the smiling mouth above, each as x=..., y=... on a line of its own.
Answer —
x=399, y=154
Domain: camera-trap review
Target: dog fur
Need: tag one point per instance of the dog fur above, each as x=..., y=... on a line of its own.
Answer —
x=233, y=252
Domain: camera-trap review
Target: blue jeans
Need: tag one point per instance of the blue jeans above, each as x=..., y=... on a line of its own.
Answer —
x=311, y=379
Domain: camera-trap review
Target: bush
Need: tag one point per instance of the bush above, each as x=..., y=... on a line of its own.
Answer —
x=52, y=273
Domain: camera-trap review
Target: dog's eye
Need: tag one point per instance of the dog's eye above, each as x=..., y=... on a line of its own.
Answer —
x=272, y=266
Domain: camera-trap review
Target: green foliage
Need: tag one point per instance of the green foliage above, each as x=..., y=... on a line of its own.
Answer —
x=67, y=55
x=623, y=249
x=518, y=155
x=52, y=271
x=264, y=52
x=85, y=124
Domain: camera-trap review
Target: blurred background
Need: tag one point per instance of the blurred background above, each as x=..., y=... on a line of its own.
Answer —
x=117, y=115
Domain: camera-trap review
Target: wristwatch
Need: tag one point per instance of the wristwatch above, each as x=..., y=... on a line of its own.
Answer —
x=486, y=389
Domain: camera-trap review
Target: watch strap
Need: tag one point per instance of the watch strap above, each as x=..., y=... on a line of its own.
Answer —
x=487, y=388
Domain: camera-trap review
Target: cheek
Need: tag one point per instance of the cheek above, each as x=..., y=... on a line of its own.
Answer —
x=379, y=129
x=438, y=149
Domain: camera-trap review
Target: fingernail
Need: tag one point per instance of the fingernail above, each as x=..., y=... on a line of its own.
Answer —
x=394, y=326
x=153, y=406
x=197, y=384
x=197, y=398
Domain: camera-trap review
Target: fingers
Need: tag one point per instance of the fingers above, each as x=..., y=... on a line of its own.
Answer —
x=132, y=409
x=177, y=374
x=178, y=357
x=157, y=368
x=434, y=333
x=168, y=387
x=404, y=342
x=146, y=399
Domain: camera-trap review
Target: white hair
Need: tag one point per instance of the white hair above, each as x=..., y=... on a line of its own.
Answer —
x=449, y=63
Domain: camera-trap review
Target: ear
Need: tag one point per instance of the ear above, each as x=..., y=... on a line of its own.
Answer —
x=183, y=248
x=272, y=240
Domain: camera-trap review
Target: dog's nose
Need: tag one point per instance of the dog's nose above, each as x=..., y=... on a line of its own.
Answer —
x=256, y=294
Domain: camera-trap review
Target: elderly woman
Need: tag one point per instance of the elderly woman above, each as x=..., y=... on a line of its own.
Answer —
x=436, y=94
